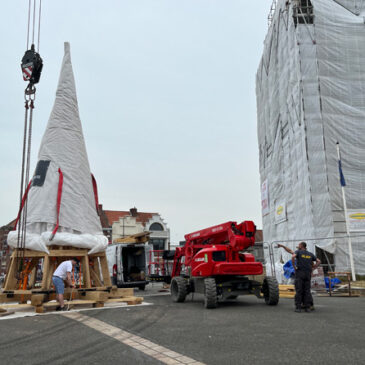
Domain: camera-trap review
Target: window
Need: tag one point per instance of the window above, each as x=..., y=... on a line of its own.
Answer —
x=157, y=243
x=303, y=12
x=219, y=256
x=156, y=227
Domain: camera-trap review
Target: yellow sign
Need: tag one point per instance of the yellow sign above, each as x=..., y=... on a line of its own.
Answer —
x=356, y=220
x=280, y=212
x=357, y=216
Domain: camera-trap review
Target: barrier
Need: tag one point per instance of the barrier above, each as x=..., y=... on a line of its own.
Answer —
x=337, y=244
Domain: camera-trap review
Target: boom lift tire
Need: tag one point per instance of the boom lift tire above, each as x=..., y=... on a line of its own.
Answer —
x=210, y=296
x=178, y=289
x=270, y=289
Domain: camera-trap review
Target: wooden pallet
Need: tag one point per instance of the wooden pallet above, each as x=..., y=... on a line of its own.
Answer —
x=96, y=303
x=286, y=291
x=75, y=298
x=4, y=312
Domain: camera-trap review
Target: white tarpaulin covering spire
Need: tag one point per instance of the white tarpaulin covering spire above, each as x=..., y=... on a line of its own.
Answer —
x=310, y=88
x=63, y=151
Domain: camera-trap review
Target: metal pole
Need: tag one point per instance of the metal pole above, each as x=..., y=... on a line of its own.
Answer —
x=347, y=222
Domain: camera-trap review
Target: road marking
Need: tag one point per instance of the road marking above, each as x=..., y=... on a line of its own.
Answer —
x=31, y=313
x=149, y=348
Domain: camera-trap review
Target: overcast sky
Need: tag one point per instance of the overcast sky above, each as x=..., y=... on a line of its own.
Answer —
x=166, y=92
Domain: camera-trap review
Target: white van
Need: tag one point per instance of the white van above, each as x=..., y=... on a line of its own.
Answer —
x=127, y=264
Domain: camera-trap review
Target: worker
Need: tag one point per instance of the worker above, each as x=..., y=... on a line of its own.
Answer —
x=61, y=275
x=311, y=304
x=302, y=261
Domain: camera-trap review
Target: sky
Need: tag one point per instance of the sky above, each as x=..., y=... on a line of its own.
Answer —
x=166, y=94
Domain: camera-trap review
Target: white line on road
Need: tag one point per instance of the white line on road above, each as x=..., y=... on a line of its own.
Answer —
x=149, y=348
x=28, y=309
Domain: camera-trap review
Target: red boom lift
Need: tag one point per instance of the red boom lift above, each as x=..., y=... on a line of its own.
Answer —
x=212, y=263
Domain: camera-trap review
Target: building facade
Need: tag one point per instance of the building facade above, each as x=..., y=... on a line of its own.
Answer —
x=310, y=88
x=5, y=250
x=120, y=224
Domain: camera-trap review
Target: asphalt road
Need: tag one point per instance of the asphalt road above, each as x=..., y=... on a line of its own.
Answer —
x=244, y=331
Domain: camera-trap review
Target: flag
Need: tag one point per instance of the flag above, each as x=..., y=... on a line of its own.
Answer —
x=342, y=178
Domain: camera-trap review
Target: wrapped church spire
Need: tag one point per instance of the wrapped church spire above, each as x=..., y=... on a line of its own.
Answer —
x=62, y=199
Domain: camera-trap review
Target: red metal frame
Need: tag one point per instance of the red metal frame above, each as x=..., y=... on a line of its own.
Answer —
x=226, y=240
x=157, y=265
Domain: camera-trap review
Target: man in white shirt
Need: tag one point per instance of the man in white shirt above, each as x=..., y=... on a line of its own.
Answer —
x=63, y=273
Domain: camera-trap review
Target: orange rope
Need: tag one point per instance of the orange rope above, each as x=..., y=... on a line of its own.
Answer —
x=24, y=277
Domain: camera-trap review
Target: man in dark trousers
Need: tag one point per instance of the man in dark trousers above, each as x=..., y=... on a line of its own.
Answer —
x=302, y=261
x=287, y=249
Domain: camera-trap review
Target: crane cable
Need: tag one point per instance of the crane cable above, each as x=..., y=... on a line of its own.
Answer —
x=31, y=66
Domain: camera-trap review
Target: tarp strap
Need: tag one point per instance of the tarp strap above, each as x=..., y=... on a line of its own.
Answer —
x=22, y=203
x=95, y=188
x=59, y=196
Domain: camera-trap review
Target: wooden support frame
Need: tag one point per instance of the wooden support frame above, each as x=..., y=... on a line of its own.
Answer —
x=96, y=288
x=95, y=271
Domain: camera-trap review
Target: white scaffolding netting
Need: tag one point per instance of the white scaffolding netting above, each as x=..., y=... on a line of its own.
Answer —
x=310, y=88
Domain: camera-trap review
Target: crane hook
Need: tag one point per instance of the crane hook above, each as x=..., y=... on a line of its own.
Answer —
x=31, y=65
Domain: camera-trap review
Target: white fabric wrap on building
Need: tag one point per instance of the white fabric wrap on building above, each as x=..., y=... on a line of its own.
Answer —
x=310, y=88
x=64, y=146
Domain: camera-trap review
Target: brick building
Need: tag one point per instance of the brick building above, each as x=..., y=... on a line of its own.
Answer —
x=119, y=224
x=4, y=248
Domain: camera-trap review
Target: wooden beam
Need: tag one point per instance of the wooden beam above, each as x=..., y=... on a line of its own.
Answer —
x=86, y=271
x=71, y=303
x=17, y=292
x=11, y=280
x=98, y=305
x=38, y=299
x=33, y=276
x=4, y=314
x=104, y=269
x=98, y=296
x=46, y=272
x=95, y=277
x=39, y=309
x=121, y=292
x=29, y=253
x=141, y=237
x=17, y=306
x=5, y=298
x=68, y=253
x=128, y=300
x=50, y=274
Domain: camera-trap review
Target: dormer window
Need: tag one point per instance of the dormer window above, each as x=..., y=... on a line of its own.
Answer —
x=156, y=227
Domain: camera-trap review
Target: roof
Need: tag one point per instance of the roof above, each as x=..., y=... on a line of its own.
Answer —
x=10, y=226
x=114, y=215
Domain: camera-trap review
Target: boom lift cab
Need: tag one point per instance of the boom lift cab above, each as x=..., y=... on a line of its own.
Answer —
x=212, y=263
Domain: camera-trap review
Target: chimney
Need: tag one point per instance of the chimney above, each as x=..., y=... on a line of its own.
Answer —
x=133, y=212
